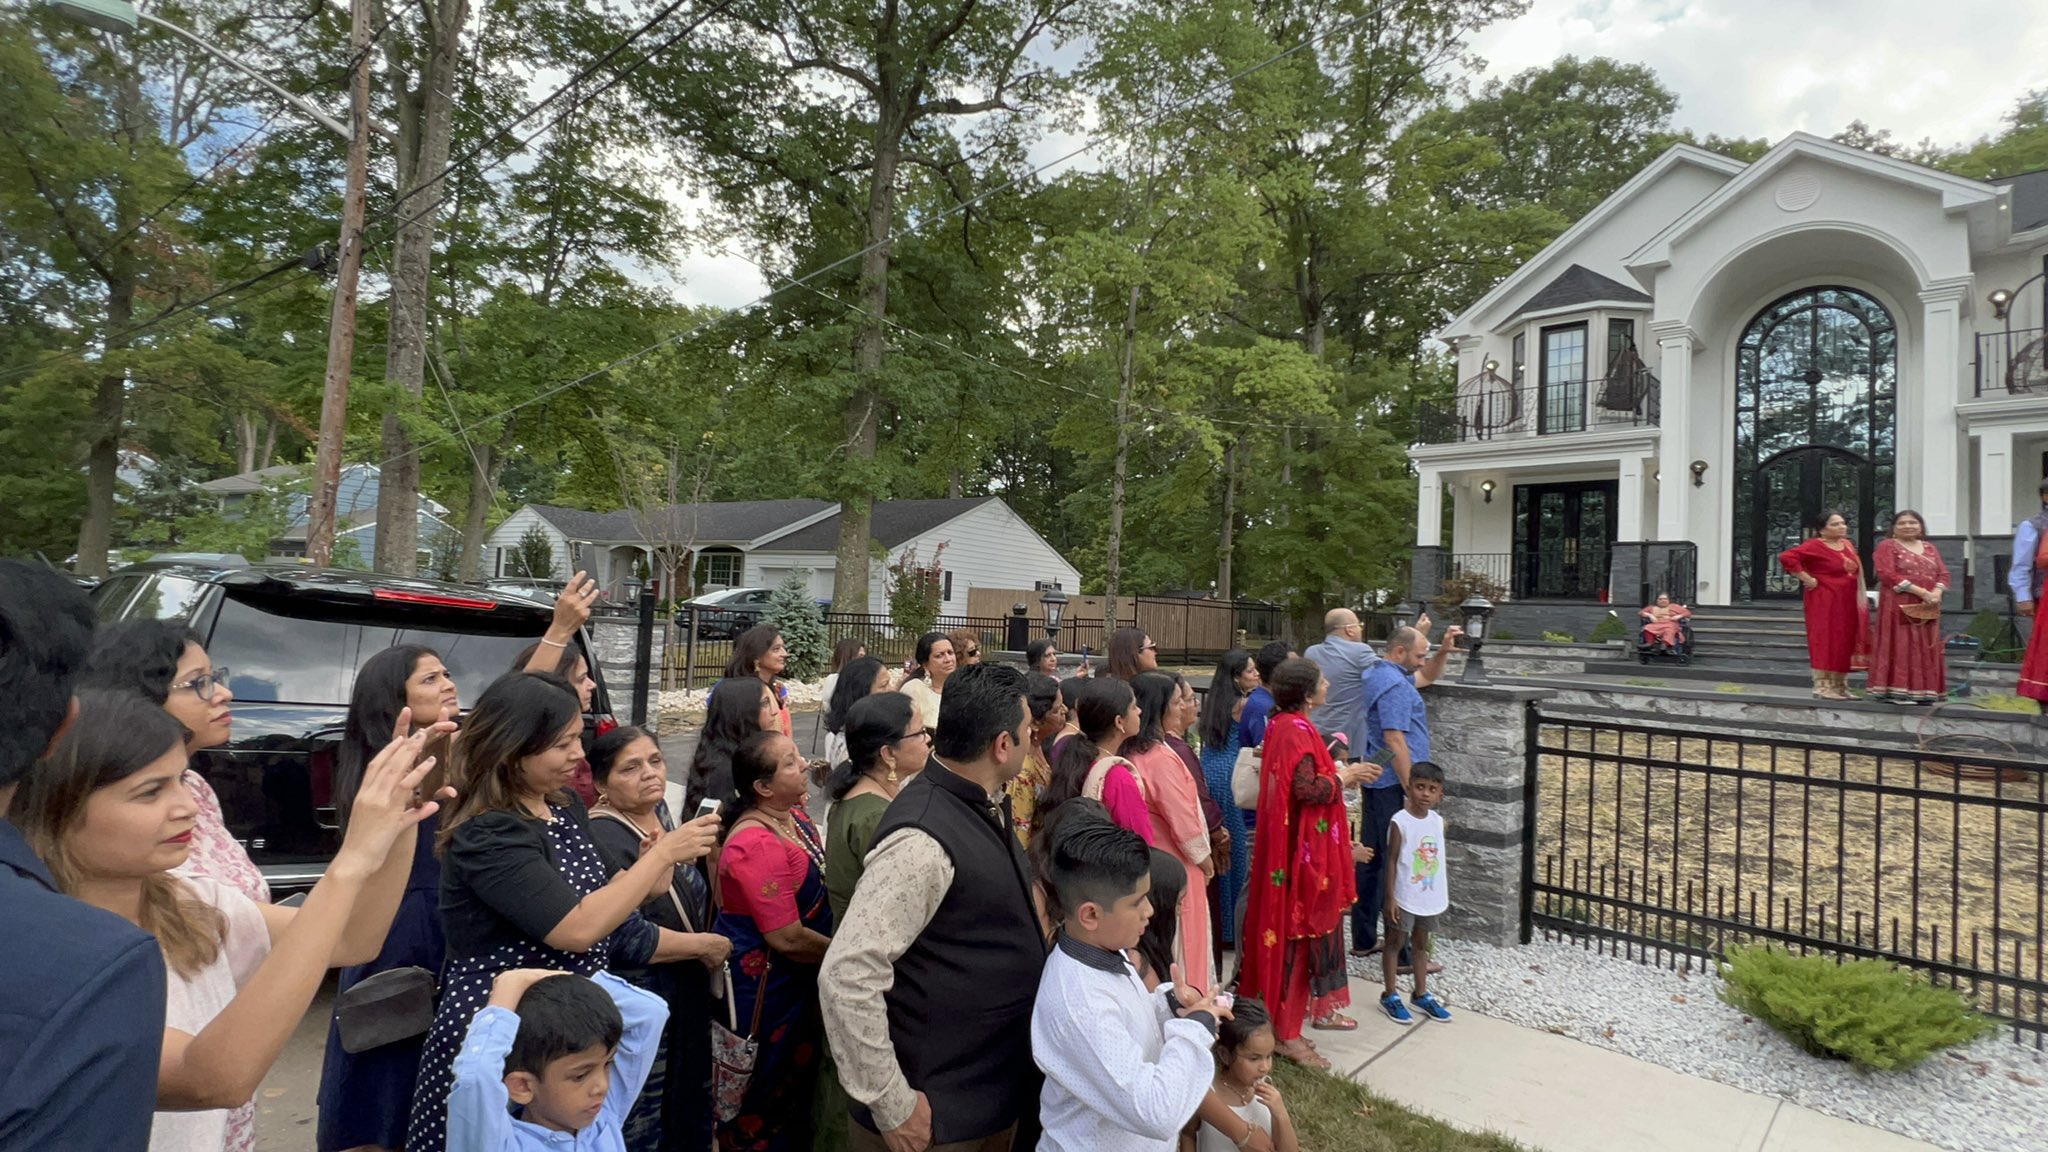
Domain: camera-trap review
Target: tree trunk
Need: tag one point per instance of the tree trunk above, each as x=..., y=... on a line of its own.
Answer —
x=483, y=479
x=1126, y=367
x=109, y=401
x=398, y=491
x=245, y=441
x=269, y=443
x=863, y=408
x=1226, y=541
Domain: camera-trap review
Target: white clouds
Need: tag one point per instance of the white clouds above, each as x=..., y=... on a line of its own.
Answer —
x=1945, y=70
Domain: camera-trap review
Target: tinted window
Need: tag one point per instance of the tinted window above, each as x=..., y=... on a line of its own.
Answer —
x=474, y=661
x=108, y=597
x=167, y=598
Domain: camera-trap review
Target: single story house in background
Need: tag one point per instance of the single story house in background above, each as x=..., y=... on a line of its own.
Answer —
x=355, y=508
x=756, y=543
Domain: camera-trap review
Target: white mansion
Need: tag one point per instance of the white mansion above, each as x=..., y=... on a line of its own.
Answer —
x=1719, y=352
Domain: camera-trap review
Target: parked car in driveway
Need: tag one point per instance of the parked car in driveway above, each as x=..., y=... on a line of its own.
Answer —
x=290, y=640
x=725, y=614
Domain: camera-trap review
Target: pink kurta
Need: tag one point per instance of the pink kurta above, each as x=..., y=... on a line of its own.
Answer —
x=1908, y=665
x=1175, y=811
x=1660, y=625
x=1114, y=781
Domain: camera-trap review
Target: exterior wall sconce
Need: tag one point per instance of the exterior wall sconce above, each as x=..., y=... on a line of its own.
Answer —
x=1486, y=490
x=2001, y=303
x=1657, y=477
x=1492, y=366
x=1699, y=473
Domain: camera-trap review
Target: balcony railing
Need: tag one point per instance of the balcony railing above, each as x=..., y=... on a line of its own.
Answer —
x=2012, y=362
x=1563, y=570
x=1489, y=408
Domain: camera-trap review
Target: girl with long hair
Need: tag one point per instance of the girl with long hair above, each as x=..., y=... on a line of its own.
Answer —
x=1159, y=948
x=1088, y=764
x=674, y=1109
x=1174, y=810
x=110, y=814
x=365, y=1096
x=759, y=653
x=1048, y=716
x=886, y=746
x=522, y=885
x=774, y=907
x=165, y=662
x=861, y=678
x=1222, y=736
x=736, y=709
x=935, y=661
x=1131, y=652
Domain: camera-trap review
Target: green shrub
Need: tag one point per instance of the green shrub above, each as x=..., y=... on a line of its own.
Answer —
x=1560, y=637
x=1504, y=634
x=2003, y=702
x=1867, y=1012
x=793, y=612
x=1609, y=628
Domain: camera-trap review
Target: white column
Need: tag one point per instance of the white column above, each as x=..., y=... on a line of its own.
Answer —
x=1675, y=342
x=1628, y=508
x=1994, y=482
x=1429, y=510
x=1938, y=481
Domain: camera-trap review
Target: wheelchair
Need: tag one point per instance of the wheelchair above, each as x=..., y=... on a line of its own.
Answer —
x=1648, y=651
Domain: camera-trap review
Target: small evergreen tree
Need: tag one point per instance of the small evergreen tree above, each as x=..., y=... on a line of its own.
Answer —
x=793, y=612
x=534, y=558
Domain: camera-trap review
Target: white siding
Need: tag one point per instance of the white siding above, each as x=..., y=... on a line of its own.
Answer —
x=503, y=541
x=988, y=547
x=767, y=569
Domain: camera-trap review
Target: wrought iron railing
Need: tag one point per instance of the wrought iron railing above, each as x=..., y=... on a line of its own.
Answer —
x=1645, y=569
x=1563, y=570
x=1490, y=409
x=2012, y=362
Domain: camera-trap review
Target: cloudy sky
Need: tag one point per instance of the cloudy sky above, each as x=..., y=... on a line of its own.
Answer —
x=1946, y=69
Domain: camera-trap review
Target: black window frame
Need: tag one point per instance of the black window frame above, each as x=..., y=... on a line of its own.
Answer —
x=1561, y=404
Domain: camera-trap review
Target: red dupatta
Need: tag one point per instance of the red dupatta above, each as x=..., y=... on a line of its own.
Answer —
x=1309, y=859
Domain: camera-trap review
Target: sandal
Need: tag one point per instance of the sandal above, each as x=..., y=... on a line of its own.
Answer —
x=1335, y=1022
x=1300, y=1053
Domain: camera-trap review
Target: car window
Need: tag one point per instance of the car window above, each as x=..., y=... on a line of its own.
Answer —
x=167, y=598
x=474, y=661
x=759, y=597
x=290, y=659
x=108, y=597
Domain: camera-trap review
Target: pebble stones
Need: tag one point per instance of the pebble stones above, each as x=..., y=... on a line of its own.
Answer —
x=1991, y=1096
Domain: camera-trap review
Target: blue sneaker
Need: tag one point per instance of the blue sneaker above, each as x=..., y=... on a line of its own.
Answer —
x=1432, y=1007
x=1395, y=1010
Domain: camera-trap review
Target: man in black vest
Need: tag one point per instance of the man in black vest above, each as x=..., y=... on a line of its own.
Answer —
x=928, y=986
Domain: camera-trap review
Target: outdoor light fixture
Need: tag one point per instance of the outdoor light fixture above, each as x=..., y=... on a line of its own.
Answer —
x=1486, y=489
x=2001, y=303
x=1699, y=473
x=631, y=586
x=1657, y=477
x=1055, y=602
x=1492, y=366
x=1404, y=614
x=1476, y=610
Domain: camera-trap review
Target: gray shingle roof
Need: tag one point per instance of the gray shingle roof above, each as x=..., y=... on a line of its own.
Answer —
x=895, y=522
x=730, y=521
x=1580, y=285
x=577, y=524
x=2029, y=199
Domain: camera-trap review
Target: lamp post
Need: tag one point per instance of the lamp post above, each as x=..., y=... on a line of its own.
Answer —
x=641, y=595
x=1055, y=604
x=120, y=17
x=1404, y=614
x=1476, y=610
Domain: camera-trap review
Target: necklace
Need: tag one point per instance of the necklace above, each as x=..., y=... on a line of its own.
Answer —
x=796, y=834
x=1247, y=1094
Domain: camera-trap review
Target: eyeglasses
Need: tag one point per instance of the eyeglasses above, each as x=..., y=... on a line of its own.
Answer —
x=1149, y=647
x=972, y=652
x=907, y=737
x=203, y=685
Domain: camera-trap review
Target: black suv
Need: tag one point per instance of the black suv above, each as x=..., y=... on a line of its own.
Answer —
x=292, y=639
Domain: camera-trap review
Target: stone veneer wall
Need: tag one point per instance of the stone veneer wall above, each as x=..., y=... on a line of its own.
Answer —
x=1479, y=735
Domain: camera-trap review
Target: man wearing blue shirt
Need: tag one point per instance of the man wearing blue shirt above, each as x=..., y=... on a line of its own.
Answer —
x=1396, y=730
x=2024, y=578
x=82, y=1001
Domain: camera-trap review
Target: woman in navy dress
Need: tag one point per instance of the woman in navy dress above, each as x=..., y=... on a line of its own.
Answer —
x=365, y=1097
x=522, y=885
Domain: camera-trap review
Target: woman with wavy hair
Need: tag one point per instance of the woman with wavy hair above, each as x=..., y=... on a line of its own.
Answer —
x=737, y=708
x=759, y=653
x=935, y=661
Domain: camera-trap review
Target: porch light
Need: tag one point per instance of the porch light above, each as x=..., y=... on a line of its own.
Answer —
x=1492, y=366
x=1657, y=477
x=2001, y=303
x=1699, y=473
x=631, y=586
x=1404, y=615
x=1055, y=602
x=1486, y=489
x=1476, y=610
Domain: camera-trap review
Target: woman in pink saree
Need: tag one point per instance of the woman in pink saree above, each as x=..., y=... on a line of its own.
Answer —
x=1661, y=623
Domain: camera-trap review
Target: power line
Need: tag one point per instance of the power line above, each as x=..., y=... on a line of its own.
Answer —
x=194, y=182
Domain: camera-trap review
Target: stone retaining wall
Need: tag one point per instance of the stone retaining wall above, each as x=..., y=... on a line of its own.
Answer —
x=1479, y=736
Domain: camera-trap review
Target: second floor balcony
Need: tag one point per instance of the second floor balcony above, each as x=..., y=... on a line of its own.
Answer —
x=1489, y=407
x=2012, y=362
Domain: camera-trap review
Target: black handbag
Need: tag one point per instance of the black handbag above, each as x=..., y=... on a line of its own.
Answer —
x=393, y=1005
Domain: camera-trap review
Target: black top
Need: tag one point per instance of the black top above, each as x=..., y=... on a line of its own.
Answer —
x=619, y=846
x=500, y=885
x=960, y=1009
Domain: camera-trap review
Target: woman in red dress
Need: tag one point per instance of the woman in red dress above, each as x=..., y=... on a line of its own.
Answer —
x=1837, y=618
x=1908, y=667
x=1303, y=883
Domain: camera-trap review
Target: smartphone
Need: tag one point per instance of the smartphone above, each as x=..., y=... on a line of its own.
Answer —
x=709, y=806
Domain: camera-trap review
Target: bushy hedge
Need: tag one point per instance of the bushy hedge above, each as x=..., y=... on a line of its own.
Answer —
x=1867, y=1012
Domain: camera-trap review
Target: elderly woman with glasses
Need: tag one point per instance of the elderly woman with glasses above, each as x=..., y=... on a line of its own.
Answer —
x=966, y=645
x=886, y=745
x=165, y=662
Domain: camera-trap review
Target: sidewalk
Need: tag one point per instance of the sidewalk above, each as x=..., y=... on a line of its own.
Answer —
x=1556, y=1094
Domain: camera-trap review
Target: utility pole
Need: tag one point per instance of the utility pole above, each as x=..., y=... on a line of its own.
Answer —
x=341, y=331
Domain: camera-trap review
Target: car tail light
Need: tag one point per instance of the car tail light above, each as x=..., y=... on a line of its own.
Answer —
x=441, y=599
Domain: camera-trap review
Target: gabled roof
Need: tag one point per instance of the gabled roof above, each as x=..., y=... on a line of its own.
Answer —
x=1957, y=193
x=2029, y=198
x=1555, y=251
x=577, y=524
x=1578, y=285
x=728, y=521
x=895, y=522
x=258, y=481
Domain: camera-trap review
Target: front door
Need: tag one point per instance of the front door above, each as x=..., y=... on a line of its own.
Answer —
x=1793, y=491
x=1564, y=534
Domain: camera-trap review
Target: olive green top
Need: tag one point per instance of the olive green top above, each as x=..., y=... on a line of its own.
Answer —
x=849, y=833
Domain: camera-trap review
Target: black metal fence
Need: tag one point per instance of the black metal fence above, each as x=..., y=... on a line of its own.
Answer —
x=1669, y=846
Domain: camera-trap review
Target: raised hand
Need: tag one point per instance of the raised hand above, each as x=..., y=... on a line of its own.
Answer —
x=572, y=607
x=387, y=804
x=511, y=985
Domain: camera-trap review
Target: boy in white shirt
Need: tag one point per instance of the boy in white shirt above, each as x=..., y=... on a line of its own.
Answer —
x=1124, y=1068
x=1418, y=891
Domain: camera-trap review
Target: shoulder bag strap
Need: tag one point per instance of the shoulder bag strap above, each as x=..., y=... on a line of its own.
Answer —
x=760, y=995
x=689, y=925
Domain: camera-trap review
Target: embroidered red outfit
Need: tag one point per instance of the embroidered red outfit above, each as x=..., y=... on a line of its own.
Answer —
x=1908, y=664
x=1837, y=616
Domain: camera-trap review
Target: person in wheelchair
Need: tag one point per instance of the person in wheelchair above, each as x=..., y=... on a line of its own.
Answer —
x=1666, y=627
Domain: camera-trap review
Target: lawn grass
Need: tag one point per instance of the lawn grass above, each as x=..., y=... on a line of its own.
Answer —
x=1336, y=1115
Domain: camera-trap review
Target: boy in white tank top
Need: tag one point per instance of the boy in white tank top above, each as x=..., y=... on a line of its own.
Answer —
x=1418, y=891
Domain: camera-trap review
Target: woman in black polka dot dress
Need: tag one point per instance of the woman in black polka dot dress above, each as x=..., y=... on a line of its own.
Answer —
x=521, y=883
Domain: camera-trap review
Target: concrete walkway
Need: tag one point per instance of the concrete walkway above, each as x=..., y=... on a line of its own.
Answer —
x=1557, y=1094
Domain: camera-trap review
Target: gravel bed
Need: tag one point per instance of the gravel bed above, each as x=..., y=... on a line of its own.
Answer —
x=688, y=706
x=1989, y=1097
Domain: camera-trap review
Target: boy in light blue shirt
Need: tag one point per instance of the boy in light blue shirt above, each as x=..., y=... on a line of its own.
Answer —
x=548, y=1042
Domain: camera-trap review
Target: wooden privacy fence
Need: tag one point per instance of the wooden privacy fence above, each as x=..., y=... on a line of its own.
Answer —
x=1185, y=628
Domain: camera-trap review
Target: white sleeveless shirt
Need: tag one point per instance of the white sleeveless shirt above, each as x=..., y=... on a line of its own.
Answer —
x=1421, y=883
